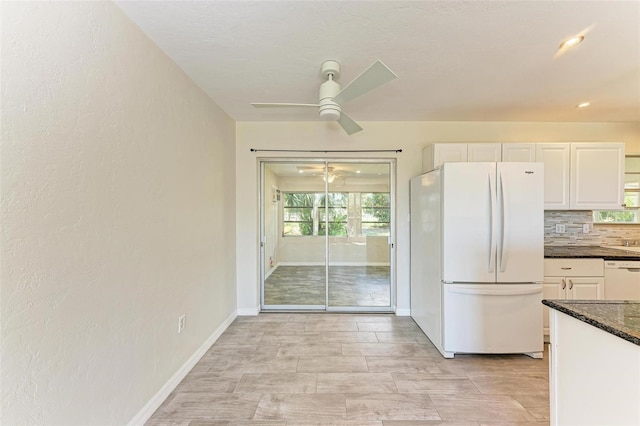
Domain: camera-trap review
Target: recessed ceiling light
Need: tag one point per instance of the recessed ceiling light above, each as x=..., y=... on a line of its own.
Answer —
x=583, y=104
x=300, y=171
x=571, y=42
x=357, y=171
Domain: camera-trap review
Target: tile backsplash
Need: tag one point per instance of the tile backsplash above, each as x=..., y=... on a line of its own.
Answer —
x=606, y=235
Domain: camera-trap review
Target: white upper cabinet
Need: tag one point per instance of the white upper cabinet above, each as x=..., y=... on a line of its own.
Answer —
x=518, y=152
x=582, y=176
x=484, y=152
x=435, y=155
x=556, y=158
x=577, y=175
x=597, y=176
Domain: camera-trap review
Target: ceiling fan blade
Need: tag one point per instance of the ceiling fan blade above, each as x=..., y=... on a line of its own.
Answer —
x=374, y=76
x=272, y=105
x=348, y=124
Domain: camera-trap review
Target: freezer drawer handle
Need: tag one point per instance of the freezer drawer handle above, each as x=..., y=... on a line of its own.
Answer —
x=490, y=292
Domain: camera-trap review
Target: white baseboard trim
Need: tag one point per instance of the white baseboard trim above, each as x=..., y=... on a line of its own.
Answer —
x=269, y=272
x=248, y=312
x=334, y=264
x=404, y=312
x=157, y=399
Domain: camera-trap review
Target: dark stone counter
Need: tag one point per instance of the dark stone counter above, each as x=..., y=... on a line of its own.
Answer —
x=594, y=252
x=620, y=318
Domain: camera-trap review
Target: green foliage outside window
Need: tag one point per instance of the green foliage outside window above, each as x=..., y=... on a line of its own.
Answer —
x=376, y=213
x=346, y=214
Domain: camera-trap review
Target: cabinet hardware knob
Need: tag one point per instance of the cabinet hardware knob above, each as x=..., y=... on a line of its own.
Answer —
x=570, y=284
x=565, y=268
x=564, y=284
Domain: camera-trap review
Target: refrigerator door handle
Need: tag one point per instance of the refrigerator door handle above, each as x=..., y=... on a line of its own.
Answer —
x=493, y=227
x=504, y=246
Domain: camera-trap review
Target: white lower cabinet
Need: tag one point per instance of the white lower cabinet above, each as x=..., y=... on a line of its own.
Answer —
x=571, y=279
x=594, y=376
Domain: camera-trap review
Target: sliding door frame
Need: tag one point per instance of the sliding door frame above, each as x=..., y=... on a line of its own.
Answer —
x=391, y=162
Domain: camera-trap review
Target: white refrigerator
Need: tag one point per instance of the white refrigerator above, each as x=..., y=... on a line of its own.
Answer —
x=477, y=254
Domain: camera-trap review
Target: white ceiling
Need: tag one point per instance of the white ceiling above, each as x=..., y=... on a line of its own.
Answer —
x=456, y=60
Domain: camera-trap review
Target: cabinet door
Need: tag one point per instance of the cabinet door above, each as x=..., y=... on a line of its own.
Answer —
x=484, y=152
x=597, y=176
x=436, y=154
x=518, y=152
x=552, y=288
x=585, y=288
x=449, y=153
x=556, y=158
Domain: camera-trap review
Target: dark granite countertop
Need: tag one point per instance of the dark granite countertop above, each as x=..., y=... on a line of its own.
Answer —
x=595, y=252
x=618, y=317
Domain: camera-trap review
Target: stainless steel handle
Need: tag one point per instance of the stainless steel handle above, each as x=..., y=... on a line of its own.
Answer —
x=570, y=284
x=564, y=284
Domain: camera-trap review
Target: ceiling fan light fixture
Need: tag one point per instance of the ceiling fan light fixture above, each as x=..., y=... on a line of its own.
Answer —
x=330, y=113
x=329, y=178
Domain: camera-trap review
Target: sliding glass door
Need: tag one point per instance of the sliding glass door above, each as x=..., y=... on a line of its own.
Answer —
x=327, y=235
x=358, y=216
x=293, y=253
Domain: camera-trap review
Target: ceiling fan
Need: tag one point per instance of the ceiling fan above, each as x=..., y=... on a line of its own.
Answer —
x=331, y=97
x=332, y=172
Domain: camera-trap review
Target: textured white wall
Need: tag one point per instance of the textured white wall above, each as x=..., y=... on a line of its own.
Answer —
x=409, y=136
x=117, y=213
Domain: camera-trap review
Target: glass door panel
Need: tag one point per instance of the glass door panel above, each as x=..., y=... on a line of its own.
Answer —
x=358, y=217
x=293, y=246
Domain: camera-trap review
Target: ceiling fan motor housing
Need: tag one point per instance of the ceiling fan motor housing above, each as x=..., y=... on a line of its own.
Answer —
x=329, y=109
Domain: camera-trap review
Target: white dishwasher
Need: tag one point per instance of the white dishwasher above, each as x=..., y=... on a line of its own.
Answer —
x=622, y=279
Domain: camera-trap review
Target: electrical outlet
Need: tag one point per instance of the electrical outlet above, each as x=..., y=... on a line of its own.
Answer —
x=561, y=228
x=586, y=228
x=182, y=321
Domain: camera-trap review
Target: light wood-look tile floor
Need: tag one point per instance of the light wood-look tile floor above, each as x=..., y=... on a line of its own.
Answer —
x=350, y=369
x=348, y=286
